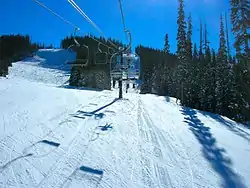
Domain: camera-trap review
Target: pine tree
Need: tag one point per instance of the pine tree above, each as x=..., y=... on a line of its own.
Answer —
x=164, y=70
x=208, y=86
x=201, y=42
x=181, y=33
x=194, y=88
x=240, y=12
x=181, y=73
x=166, y=45
x=206, y=42
x=195, y=53
x=189, y=68
x=222, y=55
x=227, y=38
x=189, y=37
x=213, y=83
x=222, y=75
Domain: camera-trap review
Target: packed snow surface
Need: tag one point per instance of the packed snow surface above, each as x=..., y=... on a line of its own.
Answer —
x=52, y=135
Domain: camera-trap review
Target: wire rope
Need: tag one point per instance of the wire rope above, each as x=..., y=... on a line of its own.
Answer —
x=59, y=16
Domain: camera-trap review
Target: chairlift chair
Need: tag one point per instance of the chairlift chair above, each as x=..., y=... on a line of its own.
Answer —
x=100, y=56
x=116, y=71
x=82, y=53
x=111, y=51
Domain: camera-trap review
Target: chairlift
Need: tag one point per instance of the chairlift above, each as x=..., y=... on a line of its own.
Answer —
x=111, y=51
x=100, y=56
x=116, y=72
x=132, y=61
x=82, y=53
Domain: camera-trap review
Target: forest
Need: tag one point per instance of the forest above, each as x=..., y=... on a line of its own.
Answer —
x=197, y=75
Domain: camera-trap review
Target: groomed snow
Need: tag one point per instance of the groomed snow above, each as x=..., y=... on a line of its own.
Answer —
x=54, y=136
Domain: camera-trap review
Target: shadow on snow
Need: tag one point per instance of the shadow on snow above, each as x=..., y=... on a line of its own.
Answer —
x=91, y=170
x=229, y=125
x=86, y=175
x=105, y=127
x=215, y=155
x=51, y=143
x=83, y=114
x=13, y=160
x=79, y=88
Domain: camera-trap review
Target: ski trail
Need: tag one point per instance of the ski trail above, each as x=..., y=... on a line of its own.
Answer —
x=12, y=171
x=151, y=167
x=184, y=152
x=36, y=131
x=73, y=156
x=53, y=120
x=180, y=142
x=161, y=173
x=188, y=160
x=54, y=152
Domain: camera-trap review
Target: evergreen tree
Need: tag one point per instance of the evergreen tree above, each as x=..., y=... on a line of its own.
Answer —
x=166, y=45
x=213, y=83
x=163, y=71
x=227, y=38
x=208, y=74
x=181, y=33
x=222, y=75
x=240, y=12
x=195, y=53
x=189, y=80
x=201, y=42
x=206, y=42
x=181, y=73
x=189, y=37
x=222, y=55
x=193, y=70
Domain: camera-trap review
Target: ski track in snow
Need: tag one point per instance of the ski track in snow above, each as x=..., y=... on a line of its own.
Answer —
x=154, y=134
x=82, y=138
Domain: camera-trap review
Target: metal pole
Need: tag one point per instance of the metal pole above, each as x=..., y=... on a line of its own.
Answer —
x=120, y=81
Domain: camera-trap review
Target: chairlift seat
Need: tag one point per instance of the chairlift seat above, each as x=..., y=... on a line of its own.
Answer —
x=79, y=62
x=116, y=74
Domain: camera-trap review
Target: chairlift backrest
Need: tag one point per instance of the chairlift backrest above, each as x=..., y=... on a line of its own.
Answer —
x=82, y=54
x=101, y=58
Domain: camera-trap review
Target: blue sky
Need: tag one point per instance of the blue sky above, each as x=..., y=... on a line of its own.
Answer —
x=148, y=20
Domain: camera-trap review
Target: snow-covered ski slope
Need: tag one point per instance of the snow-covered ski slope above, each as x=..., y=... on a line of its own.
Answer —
x=54, y=136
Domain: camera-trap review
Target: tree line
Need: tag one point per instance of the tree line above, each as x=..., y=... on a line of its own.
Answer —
x=199, y=76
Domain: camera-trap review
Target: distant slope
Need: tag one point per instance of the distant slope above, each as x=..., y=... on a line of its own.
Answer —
x=55, y=58
x=47, y=66
x=58, y=137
